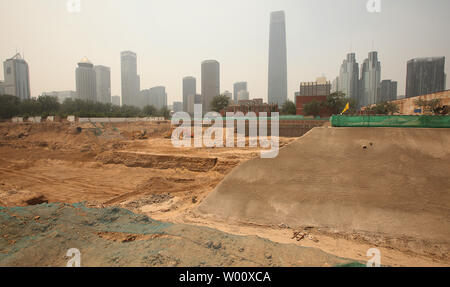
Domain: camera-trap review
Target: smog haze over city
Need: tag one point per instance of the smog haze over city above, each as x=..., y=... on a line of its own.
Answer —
x=172, y=38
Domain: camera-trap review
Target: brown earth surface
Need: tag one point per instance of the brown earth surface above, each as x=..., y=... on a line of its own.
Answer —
x=386, y=186
x=135, y=166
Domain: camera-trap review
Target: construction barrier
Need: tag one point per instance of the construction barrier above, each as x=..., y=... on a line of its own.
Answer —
x=119, y=120
x=400, y=121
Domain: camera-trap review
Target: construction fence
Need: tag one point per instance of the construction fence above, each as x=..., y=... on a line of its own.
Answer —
x=400, y=121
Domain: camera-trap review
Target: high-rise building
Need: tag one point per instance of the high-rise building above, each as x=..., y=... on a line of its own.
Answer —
x=335, y=85
x=17, y=77
x=86, y=81
x=61, y=95
x=115, y=100
x=425, y=76
x=277, y=85
x=103, y=78
x=370, y=80
x=237, y=87
x=387, y=91
x=210, y=83
x=243, y=95
x=129, y=78
x=155, y=96
x=189, y=88
x=349, y=77
x=2, y=88
x=193, y=100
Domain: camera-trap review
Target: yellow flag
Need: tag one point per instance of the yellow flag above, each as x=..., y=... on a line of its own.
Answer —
x=347, y=107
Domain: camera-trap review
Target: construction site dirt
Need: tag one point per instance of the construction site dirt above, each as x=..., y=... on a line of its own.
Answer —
x=125, y=187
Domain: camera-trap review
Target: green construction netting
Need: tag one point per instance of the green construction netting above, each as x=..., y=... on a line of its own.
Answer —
x=391, y=121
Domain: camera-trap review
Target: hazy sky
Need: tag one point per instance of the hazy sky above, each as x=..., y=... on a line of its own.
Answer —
x=172, y=37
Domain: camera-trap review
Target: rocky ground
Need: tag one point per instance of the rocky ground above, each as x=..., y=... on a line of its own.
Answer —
x=41, y=235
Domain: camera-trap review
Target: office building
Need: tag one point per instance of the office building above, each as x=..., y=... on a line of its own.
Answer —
x=17, y=77
x=210, y=83
x=237, y=87
x=155, y=96
x=129, y=79
x=86, y=83
x=277, y=81
x=387, y=91
x=103, y=78
x=370, y=80
x=425, y=76
x=189, y=88
x=349, y=77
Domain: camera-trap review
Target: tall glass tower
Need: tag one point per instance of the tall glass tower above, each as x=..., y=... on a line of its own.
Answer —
x=210, y=83
x=277, y=88
x=129, y=78
x=86, y=81
x=189, y=88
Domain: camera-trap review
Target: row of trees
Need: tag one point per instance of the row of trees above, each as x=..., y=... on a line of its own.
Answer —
x=432, y=106
x=11, y=106
x=384, y=108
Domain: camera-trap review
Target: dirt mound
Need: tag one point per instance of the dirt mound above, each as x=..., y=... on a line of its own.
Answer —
x=392, y=182
x=41, y=236
x=159, y=161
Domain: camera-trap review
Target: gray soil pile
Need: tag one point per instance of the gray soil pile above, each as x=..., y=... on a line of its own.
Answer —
x=41, y=235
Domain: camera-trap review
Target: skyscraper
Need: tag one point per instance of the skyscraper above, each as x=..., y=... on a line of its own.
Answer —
x=129, y=78
x=86, y=81
x=370, y=80
x=210, y=83
x=189, y=88
x=103, y=78
x=277, y=86
x=425, y=76
x=17, y=77
x=387, y=91
x=237, y=87
x=349, y=77
x=155, y=96
x=243, y=95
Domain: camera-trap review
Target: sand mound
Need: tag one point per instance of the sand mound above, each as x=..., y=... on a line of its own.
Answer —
x=390, y=181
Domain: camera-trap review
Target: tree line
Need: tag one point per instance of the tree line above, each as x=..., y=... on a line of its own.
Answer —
x=11, y=106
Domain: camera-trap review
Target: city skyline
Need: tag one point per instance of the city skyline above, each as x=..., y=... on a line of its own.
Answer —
x=52, y=51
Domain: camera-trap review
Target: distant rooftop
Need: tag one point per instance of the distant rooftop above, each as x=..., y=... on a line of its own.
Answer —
x=85, y=60
x=426, y=59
